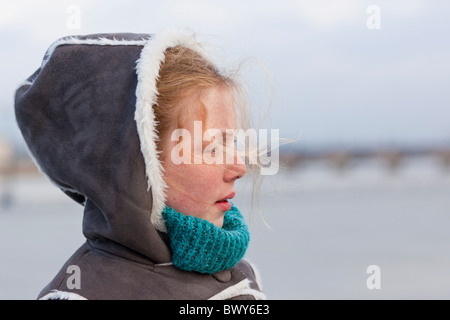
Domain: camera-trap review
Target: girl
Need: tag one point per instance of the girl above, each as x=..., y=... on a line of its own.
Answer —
x=100, y=118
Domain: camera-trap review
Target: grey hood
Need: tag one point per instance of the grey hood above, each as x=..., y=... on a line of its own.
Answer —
x=86, y=116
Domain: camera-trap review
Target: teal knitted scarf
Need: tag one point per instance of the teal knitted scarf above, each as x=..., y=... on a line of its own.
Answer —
x=199, y=245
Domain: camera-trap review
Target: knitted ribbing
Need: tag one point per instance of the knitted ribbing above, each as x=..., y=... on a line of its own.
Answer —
x=199, y=245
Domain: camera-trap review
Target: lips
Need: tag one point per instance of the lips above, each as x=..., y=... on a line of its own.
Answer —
x=230, y=196
x=223, y=204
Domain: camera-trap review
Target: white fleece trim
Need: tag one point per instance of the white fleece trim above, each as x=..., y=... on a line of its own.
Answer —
x=148, y=66
x=94, y=41
x=257, y=274
x=166, y=264
x=239, y=289
x=24, y=83
x=252, y=292
x=97, y=42
x=62, y=295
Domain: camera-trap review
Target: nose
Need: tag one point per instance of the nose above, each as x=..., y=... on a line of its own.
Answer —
x=235, y=171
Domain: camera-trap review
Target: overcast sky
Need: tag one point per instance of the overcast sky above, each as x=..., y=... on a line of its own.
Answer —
x=334, y=79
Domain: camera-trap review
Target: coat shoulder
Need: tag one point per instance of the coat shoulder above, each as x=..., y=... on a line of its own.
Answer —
x=251, y=272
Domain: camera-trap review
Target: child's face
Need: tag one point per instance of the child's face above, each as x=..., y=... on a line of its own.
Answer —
x=196, y=189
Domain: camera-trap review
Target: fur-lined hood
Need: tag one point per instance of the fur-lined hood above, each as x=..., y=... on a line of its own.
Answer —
x=87, y=119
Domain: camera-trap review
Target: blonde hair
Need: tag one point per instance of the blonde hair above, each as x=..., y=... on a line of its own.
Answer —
x=185, y=72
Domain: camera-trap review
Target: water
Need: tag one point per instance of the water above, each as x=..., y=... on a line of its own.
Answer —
x=326, y=228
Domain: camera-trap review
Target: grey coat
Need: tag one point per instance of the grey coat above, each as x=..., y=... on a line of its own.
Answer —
x=86, y=116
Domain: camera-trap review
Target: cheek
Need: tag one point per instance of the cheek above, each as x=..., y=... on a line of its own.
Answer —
x=208, y=177
x=201, y=179
x=192, y=186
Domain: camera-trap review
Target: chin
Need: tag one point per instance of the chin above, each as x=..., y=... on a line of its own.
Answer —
x=219, y=223
x=217, y=219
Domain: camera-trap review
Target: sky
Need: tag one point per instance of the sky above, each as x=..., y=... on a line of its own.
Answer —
x=329, y=72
